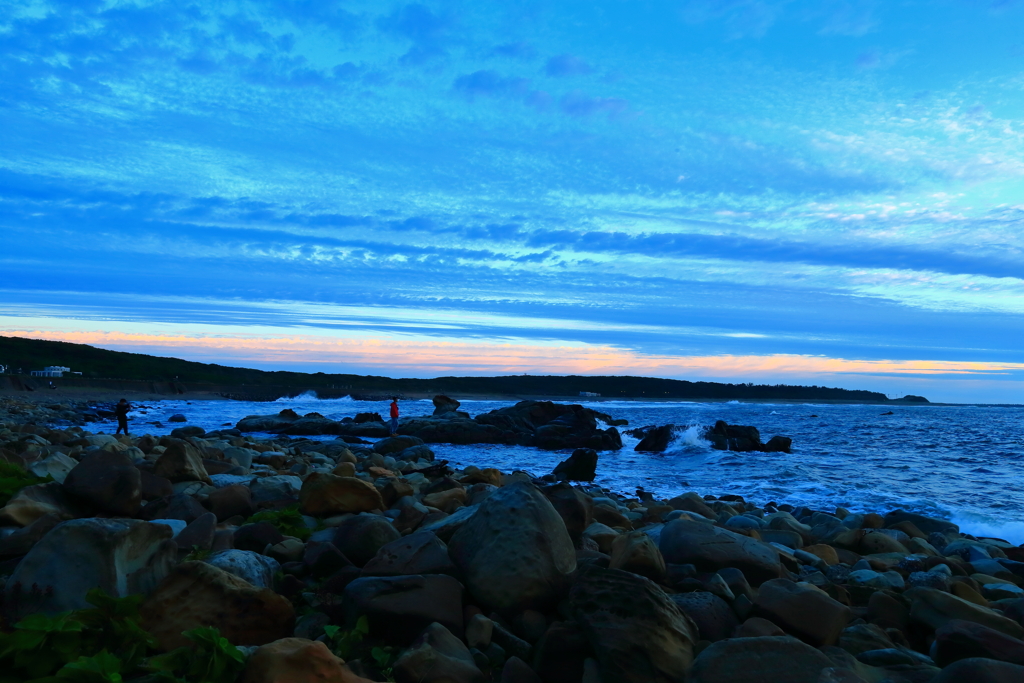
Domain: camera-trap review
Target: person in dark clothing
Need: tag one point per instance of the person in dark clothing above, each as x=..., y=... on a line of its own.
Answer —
x=394, y=415
x=121, y=410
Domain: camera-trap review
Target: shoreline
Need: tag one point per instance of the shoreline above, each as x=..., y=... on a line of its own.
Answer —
x=104, y=395
x=514, y=573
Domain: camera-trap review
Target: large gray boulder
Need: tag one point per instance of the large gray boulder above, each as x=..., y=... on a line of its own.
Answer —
x=267, y=423
x=109, y=482
x=255, y=568
x=514, y=552
x=120, y=556
x=769, y=659
x=437, y=656
x=636, y=631
x=711, y=548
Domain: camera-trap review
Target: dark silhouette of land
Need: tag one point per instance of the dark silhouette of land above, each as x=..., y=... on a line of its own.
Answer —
x=117, y=370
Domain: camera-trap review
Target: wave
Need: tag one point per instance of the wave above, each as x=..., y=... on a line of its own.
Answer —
x=688, y=438
x=308, y=396
x=992, y=527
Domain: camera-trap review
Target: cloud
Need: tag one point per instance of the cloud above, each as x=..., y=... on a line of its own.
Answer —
x=416, y=22
x=567, y=65
x=517, y=50
x=744, y=18
x=490, y=83
x=579, y=104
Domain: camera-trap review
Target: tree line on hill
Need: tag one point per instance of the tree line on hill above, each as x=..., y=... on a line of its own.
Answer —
x=94, y=363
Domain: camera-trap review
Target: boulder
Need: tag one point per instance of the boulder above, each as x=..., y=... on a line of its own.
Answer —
x=121, y=556
x=361, y=537
x=198, y=534
x=934, y=608
x=257, y=536
x=772, y=659
x=396, y=444
x=711, y=548
x=635, y=552
x=656, y=440
x=57, y=466
x=778, y=444
x=181, y=462
x=637, y=633
x=560, y=654
x=21, y=541
x=518, y=671
x=514, y=552
x=297, y=660
x=979, y=670
x=38, y=500
x=254, y=568
x=714, y=618
x=184, y=432
x=437, y=657
x=324, y=495
x=580, y=466
x=231, y=501
x=724, y=436
x=360, y=418
x=108, y=482
x=154, y=486
x=322, y=558
x=928, y=525
x=418, y=553
x=267, y=423
x=398, y=608
x=197, y=594
x=279, y=487
x=443, y=404
x=802, y=610
x=177, y=506
x=574, y=507
x=958, y=639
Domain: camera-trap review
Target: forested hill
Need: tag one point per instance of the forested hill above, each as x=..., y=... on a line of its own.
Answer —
x=94, y=363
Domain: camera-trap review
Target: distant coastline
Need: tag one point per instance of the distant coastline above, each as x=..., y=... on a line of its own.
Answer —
x=101, y=372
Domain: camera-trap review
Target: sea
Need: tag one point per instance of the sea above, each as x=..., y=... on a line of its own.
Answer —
x=962, y=463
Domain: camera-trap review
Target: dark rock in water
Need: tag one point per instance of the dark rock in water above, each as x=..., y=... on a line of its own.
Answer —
x=107, y=481
x=267, y=423
x=553, y=426
x=778, y=444
x=177, y=417
x=656, y=439
x=400, y=607
x=396, y=444
x=888, y=413
x=191, y=430
x=444, y=404
x=636, y=631
x=726, y=437
x=580, y=466
x=360, y=418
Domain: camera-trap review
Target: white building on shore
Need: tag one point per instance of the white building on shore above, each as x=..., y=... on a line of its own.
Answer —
x=51, y=371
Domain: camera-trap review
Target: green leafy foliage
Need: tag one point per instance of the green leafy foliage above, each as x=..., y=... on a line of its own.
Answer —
x=14, y=478
x=288, y=521
x=39, y=645
x=210, y=658
x=346, y=644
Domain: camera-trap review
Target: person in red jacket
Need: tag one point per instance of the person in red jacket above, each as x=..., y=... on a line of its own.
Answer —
x=394, y=415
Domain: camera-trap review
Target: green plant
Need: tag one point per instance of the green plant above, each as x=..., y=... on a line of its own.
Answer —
x=100, y=668
x=210, y=658
x=39, y=645
x=14, y=478
x=287, y=520
x=384, y=658
x=197, y=554
x=345, y=644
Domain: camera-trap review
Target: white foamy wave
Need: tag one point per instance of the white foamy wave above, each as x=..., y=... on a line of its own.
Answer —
x=983, y=525
x=688, y=438
x=308, y=396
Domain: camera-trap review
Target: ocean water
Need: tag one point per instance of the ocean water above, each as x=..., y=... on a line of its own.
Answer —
x=964, y=463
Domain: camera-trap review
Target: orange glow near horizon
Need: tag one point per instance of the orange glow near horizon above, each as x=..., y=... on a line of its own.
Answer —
x=425, y=356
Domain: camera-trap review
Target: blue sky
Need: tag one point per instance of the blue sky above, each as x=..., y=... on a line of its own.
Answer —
x=825, y=192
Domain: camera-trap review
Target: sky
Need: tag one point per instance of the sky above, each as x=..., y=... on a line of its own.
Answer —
x=770, y=191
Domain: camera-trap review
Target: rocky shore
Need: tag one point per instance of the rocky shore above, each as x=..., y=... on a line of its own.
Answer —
x=341, y=562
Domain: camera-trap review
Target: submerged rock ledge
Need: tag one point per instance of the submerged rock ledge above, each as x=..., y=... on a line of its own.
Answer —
x=472, y=575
